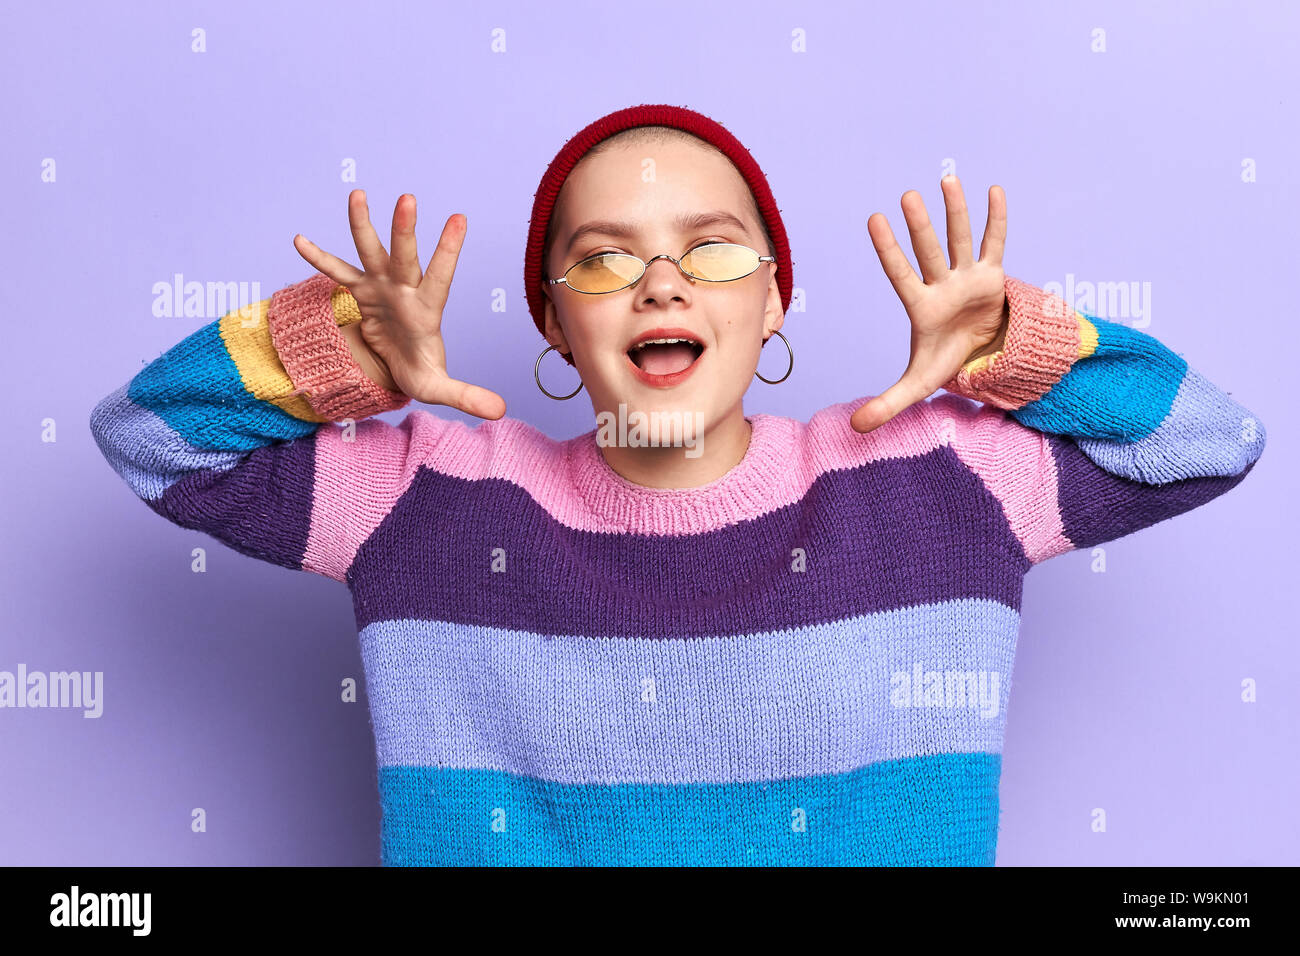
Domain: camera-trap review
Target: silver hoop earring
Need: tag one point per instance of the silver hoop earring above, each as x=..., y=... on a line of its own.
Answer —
x=538, y=379
x=788, y=370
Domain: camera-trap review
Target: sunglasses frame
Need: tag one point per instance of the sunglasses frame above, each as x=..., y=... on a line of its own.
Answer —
x=646, y=265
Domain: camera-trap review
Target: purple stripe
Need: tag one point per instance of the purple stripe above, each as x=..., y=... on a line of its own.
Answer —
x=1097, y=506
x=887, y=534
x=261, y=507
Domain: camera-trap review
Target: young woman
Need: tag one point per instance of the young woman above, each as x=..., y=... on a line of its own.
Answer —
x=776, y=642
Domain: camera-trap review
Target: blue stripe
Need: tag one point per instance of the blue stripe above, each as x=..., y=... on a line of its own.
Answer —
x=1122, y=392
x=937, y=810
x=216, y=410
x=819, y=699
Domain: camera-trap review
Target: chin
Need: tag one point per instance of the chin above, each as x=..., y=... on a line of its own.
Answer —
x=663, y=415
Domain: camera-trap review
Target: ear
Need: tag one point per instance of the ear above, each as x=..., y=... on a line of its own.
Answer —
x=773, y=314
x=554, y=331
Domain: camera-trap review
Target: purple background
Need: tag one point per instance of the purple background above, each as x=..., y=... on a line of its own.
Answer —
x=222, y=689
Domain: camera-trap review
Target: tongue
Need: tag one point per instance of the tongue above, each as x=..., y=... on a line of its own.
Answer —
x=665, y=359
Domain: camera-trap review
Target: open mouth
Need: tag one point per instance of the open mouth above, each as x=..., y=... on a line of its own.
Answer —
x=665, y=356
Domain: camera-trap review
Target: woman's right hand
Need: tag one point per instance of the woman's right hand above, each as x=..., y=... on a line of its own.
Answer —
x=401, y=308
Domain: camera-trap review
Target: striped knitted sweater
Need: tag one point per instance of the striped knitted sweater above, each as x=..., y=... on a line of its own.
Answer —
x=806, y=661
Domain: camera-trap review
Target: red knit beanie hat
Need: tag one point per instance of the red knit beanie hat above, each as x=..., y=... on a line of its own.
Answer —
x=645, y=115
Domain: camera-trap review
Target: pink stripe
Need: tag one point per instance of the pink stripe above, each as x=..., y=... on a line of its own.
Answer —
x=358, y=482
x=1015, y=463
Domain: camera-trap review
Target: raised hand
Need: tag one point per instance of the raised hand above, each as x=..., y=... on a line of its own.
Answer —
x=958, y=312
x=401, y=307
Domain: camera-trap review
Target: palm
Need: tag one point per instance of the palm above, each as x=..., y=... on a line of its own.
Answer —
x=402, y=307
x=955, y=311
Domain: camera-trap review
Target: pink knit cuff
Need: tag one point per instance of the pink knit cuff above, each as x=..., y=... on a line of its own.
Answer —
x=304, y=331
x=1042, y=342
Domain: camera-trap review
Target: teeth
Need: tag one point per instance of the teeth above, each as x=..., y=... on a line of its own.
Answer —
x=662, y=342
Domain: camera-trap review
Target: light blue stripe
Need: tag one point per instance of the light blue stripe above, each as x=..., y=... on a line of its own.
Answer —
x=1122, y=392
x=939, y=810
x=1205, y=434
x=805, y=702
x=197, y=390
x=142, y=448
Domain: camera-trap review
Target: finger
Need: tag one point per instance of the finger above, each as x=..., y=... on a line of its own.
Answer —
x=907, y=391
x=470, y=399
x=959, y=240
x=373, y=257
x=341, y=272
x=929, y=256
x=894, y=261
x=404, y=263
x=442, y=266
x=995, y=232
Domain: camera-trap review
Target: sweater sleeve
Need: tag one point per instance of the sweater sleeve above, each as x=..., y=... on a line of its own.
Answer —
x=1090, y=430
x=250, y=430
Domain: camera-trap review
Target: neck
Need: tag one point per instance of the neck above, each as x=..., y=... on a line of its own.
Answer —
x=720, y=449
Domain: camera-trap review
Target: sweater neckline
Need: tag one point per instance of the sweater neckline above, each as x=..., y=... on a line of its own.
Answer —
x=739, y=494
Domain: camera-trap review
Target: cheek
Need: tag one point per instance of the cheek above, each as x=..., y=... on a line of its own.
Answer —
x=592, y=332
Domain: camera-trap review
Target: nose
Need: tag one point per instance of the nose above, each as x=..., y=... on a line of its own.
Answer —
x=663, y=281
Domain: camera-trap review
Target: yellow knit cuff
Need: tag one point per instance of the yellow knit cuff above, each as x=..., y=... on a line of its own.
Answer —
x=247, y=338
x=975, y=364
x=346, y=310
x=1087, y=336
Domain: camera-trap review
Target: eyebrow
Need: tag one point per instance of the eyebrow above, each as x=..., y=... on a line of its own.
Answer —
x=687, y=222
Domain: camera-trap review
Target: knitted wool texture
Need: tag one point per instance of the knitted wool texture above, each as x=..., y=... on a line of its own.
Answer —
x=806, y=661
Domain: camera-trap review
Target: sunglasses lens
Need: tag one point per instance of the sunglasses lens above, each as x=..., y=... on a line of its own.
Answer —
x=712, y=262
x=720, y=261
x=604, y=273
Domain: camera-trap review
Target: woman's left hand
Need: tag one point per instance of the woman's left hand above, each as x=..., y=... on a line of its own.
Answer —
x=958, y=313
